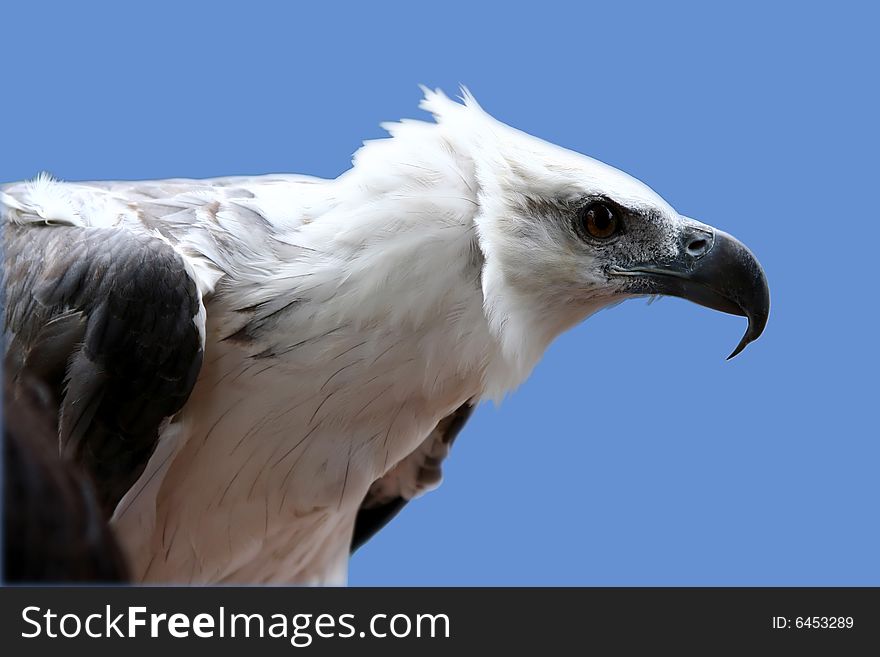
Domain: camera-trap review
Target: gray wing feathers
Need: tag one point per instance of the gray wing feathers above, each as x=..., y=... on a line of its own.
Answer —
x=105, y=318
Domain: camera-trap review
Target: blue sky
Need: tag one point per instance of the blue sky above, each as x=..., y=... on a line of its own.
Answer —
x=634, y=455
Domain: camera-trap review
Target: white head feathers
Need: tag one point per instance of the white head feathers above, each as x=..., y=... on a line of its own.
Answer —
x=534, y=284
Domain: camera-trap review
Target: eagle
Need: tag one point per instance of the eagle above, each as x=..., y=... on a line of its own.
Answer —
x=257, y=373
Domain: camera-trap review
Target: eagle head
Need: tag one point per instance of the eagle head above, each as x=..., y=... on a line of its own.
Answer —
x=564, y=235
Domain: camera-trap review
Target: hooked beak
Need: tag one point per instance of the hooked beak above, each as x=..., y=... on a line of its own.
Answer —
x=713, y=269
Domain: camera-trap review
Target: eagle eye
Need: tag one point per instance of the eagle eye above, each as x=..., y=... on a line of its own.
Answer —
x=599, y=220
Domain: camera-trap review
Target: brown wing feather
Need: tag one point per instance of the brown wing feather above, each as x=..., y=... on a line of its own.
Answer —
x=54, y=529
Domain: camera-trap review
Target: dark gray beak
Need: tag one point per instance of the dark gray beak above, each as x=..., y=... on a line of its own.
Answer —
x=713, y=269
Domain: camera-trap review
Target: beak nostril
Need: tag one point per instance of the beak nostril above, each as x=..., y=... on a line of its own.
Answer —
x=697, y=247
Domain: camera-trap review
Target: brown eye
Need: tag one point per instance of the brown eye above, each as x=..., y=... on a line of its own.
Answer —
x=599, y=221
